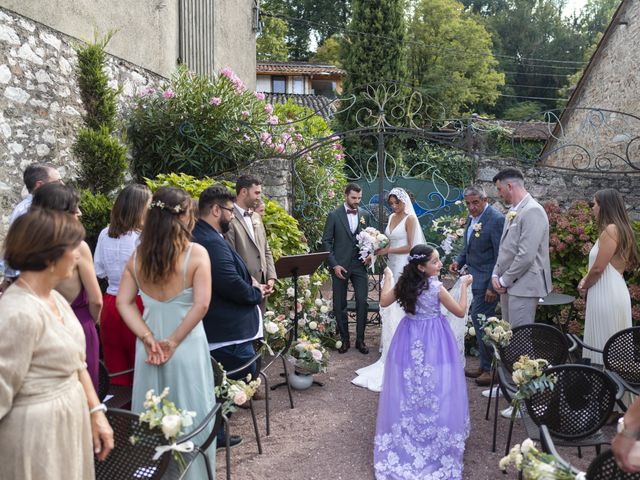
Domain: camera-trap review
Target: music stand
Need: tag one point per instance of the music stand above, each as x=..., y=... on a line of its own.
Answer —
x=294, y=266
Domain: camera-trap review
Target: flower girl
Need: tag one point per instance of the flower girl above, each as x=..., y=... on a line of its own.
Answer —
x=423, y=418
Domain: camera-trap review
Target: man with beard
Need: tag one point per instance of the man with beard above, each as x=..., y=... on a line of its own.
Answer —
x=233, y=320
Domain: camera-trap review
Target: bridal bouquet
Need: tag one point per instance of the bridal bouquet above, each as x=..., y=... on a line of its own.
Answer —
x=538, y=465
x=233, y=393
x=162, y=413
x=308, y=355
x=370, y=240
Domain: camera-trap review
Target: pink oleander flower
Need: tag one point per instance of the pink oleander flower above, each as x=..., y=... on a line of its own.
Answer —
x=265, y=138
x=227, y=72
x=279, y=148
x=245, y=114
x=336, y=146
x=145, y=91
x=259, y=95
x=273, y=120
x=215, y=101
x=339, y=156
x=268, y=108
x=285, y=137
x=168, y=93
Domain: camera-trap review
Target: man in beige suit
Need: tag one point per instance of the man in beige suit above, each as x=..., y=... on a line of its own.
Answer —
x=522, y=274
x=247, y=234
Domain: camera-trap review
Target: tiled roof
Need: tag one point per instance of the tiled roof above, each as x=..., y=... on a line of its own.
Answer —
x=302, y=68
x=318, y=103
x=525, y=130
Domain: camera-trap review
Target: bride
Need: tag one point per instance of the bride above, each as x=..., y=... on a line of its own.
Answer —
x=404, y=232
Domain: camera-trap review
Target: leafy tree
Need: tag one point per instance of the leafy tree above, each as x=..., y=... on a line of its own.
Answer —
x=329, y=52
x=271, y=43
x=450, y=57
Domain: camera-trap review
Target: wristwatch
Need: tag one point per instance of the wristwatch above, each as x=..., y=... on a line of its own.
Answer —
x=622, y=430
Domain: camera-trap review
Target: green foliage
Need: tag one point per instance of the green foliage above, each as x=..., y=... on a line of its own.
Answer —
x=271, y=44
x=104, y=159
x=524, y=111
x=98, y=99
x=193, y=186
x=450, y=56
x=329, y=52
x=433, y=161
x=319, y=175
x=96, y=211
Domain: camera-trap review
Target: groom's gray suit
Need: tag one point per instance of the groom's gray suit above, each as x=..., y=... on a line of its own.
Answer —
x=343, y=247
x=523, y=265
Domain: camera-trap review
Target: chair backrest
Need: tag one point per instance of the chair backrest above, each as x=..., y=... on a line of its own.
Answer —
x=579, y=403
x=103, y=381
x=536, y=340
x=621, y=355
x=132, y=456
x=604, y=467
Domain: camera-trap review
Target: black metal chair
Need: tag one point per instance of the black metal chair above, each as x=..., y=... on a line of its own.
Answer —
x=603, y=467
x=575, y=409
x=536, y=340
x=621, y=356
x=114, y=396
x=217, y=373
x=135, y=459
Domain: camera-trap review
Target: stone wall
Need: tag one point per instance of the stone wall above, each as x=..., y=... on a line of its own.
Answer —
x=563, y=187
x=277, y=182
x=591, y=137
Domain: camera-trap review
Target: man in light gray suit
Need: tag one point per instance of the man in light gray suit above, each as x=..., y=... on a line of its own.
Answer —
x=522, y=274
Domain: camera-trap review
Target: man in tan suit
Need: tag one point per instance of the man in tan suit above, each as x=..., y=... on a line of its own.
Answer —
x=522, y=274
x=247, y=234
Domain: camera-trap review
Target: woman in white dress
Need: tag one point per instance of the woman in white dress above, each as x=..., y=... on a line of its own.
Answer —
x=404, y=232
x=608, y=301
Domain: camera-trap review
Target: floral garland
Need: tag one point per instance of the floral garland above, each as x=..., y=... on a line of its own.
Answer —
x=233, y=393
x=535, y=464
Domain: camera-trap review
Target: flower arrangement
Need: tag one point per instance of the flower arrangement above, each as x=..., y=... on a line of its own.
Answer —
x=370, y=240
x=308, y=355
x=528, y=375
x=497, y=332
x=233, y=393
x=162, y=413
x=275, y=331
x=470, y=343
x=319, y=323
x=451, y=228
x=537, y=465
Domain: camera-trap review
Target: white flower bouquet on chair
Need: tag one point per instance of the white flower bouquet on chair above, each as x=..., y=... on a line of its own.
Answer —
x=162, y=413
x=535, y=464
x=233, y=393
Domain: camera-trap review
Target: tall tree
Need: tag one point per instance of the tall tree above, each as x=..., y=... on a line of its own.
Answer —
x=271, y=43
x=449, y=56
x=329, y=51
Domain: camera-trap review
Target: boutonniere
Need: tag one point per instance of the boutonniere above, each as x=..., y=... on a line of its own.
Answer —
x=511, y=215
x=362, y=222
x=477, y=228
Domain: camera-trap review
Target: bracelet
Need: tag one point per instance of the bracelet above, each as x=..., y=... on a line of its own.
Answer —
x=98, y=408
x=145, y=335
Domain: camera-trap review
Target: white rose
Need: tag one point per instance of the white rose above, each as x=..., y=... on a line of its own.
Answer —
x=290, y=291
x=301, y=322
x=313, y=325
x=316, y=354
x=338, y=344
x=307, y=293
x=269, y=313
x=324, y=309
x=271, y=327
x=381, y=238
x=240, y=398
x=472, y=331
x=460, y=232
x=171, y=426
x=300, y=347
x=526, y=445
x=318, y=302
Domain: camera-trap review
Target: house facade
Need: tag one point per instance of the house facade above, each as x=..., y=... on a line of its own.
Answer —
x=299, y=78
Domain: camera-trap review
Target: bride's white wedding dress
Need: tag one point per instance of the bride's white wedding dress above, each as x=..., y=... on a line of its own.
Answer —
x=370, y=377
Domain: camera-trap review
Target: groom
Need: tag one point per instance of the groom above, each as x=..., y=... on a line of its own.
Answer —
x=339, y=239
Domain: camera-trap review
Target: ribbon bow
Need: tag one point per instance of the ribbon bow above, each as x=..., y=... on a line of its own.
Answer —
x=185, y=447
x=352, y=211
x=248, y=213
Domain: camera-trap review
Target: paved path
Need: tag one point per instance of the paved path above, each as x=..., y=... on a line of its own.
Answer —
x=329, y=433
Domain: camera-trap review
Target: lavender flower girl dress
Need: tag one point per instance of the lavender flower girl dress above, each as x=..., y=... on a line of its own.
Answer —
x=423, y=416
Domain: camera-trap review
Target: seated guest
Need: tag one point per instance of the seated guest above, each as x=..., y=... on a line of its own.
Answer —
x=81, y=290
x=49, y=410
x=115, y=246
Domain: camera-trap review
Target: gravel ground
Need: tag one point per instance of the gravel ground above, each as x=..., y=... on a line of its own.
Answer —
x=329, y=433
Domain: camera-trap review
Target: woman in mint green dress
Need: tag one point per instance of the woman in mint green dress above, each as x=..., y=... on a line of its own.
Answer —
x=173, y=277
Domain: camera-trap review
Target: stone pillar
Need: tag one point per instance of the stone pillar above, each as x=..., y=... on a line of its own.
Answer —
x=277, y=183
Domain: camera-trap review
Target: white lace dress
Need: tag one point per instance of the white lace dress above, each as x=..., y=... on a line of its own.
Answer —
x=370, y=377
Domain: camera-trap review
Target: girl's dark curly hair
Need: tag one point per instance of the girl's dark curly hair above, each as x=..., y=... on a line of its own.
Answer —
x=413, y=282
